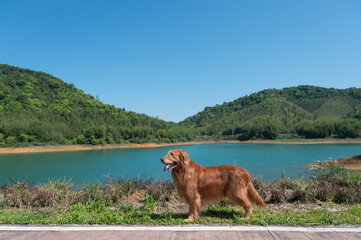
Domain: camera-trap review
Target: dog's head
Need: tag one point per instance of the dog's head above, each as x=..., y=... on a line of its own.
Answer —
x=175, y=158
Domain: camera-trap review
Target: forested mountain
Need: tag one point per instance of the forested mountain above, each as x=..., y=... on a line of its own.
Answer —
x=313, y=112
x=38, y=108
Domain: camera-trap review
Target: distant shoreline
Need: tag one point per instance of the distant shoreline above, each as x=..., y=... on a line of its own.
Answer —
x=305, y=141
x=61, y=148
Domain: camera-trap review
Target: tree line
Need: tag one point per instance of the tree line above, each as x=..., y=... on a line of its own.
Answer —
x=270, y=128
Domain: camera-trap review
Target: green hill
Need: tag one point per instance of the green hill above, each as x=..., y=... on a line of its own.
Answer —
x=38, y=108
x=309, y=111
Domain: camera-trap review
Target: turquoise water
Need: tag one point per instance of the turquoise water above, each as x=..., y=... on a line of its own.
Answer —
x=267, y=161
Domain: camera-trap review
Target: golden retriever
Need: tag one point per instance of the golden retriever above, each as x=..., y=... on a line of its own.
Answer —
x=198, y=185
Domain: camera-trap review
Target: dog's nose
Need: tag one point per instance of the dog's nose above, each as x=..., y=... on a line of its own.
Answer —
x=161, y=160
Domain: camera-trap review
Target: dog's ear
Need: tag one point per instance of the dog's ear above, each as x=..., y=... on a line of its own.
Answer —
x=184, y=156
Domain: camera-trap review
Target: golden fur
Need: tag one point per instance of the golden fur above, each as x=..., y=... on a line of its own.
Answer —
x=198, y=185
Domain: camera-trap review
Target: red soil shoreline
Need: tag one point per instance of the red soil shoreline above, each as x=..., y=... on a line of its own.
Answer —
x=59, y=148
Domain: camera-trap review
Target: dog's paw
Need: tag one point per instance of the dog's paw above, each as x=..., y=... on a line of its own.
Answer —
x=189, y=220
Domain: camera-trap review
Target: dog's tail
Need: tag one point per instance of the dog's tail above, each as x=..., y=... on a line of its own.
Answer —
x=254, y=196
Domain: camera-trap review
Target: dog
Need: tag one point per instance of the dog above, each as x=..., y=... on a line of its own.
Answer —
x=198, y=185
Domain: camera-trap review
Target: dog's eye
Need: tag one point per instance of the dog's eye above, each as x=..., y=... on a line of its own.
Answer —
x=171, y=154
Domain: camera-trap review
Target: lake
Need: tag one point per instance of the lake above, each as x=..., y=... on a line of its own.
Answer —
x=267, y=161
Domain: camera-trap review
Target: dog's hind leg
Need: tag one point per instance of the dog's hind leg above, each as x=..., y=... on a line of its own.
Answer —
x=242, y=200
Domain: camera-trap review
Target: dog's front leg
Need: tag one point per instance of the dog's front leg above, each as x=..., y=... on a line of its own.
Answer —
x=194, y=208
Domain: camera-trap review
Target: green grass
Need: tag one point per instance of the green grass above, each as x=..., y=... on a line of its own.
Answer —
x=99, y=213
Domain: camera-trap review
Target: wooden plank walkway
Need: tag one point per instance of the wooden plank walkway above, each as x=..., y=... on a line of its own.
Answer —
x=175, y=235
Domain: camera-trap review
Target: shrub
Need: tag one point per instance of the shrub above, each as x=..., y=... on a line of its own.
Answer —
x=10, y=140
x=81, y=139
x=2, y=140
x=23, y=138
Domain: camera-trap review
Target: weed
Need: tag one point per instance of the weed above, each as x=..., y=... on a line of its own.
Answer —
x=159, y=191
x=257, y=183
x=149, y=203
x=276, y=195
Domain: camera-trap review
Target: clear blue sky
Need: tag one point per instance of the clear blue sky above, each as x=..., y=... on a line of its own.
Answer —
x=173, y=58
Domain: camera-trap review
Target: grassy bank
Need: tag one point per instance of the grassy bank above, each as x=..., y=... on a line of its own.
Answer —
x=330, y=197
